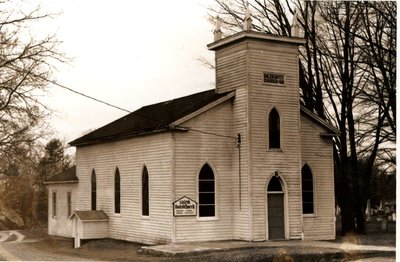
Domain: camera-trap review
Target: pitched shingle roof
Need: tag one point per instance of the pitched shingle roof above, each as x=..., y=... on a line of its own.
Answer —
x=91, y=215
x=149, y=119
x=67, y=176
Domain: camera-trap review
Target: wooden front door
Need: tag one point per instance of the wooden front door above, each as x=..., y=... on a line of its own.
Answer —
x=276, y=217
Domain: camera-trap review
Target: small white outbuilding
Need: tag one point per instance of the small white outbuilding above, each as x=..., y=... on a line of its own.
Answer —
x=88, y=225
x=61, y=202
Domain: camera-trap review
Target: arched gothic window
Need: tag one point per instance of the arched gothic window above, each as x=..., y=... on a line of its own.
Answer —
x=145, y=192
x=93, y=190
x=206, y=192
x=274, y=185
x=117, y=192
x=274, y=129
x=307, y=187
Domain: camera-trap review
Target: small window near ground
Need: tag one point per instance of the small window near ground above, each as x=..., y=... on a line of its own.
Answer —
x=273, y=78
x=69, y=203
x=54, y=204
x=307, y=187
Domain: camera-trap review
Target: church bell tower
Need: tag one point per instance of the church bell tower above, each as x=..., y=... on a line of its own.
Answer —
x=262, y=69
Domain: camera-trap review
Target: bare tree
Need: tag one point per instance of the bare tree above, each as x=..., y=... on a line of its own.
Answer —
x=378, y=43
x=26, y=63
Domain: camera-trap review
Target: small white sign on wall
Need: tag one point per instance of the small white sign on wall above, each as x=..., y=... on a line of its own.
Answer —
x=184, y=206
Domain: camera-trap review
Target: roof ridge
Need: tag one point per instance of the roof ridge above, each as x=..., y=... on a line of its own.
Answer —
x=175, y=99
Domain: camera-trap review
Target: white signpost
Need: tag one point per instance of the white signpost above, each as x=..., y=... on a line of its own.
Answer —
x=184, y=206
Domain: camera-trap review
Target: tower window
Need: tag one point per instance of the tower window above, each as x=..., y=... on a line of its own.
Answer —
x=274, y=130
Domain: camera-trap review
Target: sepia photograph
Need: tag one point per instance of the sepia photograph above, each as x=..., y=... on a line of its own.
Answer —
x=198, y=130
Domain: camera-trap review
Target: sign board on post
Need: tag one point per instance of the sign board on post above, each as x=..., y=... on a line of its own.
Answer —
x=184, y=206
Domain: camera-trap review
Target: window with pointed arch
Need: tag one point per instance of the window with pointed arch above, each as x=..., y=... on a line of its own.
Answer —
x=206, y=192
x=274, y=185
x=145, y=192
x=93, y=190
x=307, y=189
x=274, y=130
x=117, y=192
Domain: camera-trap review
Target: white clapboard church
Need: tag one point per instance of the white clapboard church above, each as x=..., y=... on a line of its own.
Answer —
x=243, y=161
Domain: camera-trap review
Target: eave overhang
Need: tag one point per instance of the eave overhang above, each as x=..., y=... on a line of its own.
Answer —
x=261, y=36
x=332, y=131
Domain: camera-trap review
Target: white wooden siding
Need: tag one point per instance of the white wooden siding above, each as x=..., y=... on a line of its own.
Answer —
x=93, y=229
x=192, y=151
x=130, y=156
x=232, y=74
x=281, y=59
x=317, y=152
x=241, y=206
x=60, y=225
x=230, y=68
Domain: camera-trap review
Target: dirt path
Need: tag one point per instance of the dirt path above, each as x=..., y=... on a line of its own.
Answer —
x=38, y=246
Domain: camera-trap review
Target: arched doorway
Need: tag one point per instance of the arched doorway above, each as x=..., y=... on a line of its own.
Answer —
x=276, y=209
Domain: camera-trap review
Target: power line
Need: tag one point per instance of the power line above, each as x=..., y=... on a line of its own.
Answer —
x=117, y=107
x=82, y=94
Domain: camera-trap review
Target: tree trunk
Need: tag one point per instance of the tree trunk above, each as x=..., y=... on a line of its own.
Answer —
x=359, y=217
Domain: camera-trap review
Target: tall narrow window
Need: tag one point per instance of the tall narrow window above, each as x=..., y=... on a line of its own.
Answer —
x=274, y=129
x=145, y=192
x=206, y=192
x=94, y=189
x=307, y=187
x=69, y=204
x=54, y=204
x=117, y=192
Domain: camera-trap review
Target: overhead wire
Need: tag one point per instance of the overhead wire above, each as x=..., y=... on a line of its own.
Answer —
x=237, y=138
x=122, y=109
x=87, y=96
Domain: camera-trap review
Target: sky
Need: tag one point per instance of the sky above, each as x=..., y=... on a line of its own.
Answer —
x=127, y=53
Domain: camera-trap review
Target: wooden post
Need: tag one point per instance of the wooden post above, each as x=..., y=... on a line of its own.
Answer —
x=77, y=238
